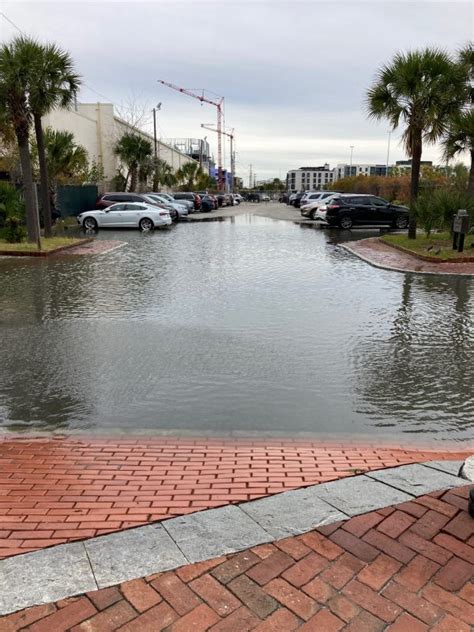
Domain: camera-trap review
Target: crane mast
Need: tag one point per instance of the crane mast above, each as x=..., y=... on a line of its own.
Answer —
x=232, y=154
x=218, y=103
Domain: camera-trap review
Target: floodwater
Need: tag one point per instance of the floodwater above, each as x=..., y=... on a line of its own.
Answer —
x=242, y=326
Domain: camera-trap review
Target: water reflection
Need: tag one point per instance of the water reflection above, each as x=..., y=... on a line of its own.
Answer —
x=235, y=326
x=424, y=369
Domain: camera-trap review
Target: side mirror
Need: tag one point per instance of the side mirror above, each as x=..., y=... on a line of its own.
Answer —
x=107, y=210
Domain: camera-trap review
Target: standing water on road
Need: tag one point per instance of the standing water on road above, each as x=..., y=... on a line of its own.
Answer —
x=239, y=326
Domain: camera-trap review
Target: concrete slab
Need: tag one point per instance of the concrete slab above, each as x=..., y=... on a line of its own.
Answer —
x=129, y=554
x=44, y=576
x=359, y=494
x=215, y=532
x=416, y=479
x=292, y=512
x=450, y=467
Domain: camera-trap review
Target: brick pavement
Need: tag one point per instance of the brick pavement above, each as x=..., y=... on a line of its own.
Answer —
x=384, y=256
x=403, y=568
x=60, y=490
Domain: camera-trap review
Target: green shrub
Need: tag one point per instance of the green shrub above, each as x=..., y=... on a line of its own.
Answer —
x=11, y=202
x=14, y=231
x=435, y=209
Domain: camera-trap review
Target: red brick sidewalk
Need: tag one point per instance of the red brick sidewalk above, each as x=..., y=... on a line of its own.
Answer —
x=383, y=255
x=405, y=568
x=58, y=490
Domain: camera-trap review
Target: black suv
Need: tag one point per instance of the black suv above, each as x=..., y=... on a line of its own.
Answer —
x=347, y=210
x=297, y=200
x=107, y=199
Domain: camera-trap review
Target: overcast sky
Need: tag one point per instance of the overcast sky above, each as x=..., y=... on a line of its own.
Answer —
x=293, y=74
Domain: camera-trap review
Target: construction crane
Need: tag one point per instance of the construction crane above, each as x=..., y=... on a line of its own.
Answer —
x=219, y=104
x=232, y=155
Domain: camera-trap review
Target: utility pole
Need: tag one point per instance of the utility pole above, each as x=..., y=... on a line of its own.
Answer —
x=219, y=104
x=232, y=155
x=388, y=149
x=250, y=176
x=155, y=153
x=350, y=167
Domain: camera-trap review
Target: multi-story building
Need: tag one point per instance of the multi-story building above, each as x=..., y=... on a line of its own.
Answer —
x=309, y=178
x=195, y=148
x=97, y=129
x=406, y=164
x=347, y=170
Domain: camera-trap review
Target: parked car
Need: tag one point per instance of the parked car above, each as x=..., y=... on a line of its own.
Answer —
x=238, y=199
x=347, y=210
x=312, y=204
x=146, y=217
x=207, y=204
x=193, y=197
x=180, y=209
x=189, y=204
x=292, y=198
x=107, y=199
x=297, y=201
x=265, y=198
x=312, y=196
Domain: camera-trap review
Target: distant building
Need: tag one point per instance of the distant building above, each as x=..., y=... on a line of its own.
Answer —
x=97, y=129
x=347, y=170
x=309, y=178
x=406, y=164
x=195, y=148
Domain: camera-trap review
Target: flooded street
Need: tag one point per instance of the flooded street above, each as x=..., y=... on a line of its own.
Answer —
x=246, y=325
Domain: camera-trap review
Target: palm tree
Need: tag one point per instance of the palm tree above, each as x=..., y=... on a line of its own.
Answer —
x=188, y=174
x=133, y=150
x=460, y=134
x=53, y=84
x=64, y=158
x=422, y=89
x=459, y=139
x=165, y=174
x=16, y=61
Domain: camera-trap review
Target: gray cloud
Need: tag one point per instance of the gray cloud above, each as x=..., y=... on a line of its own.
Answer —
x=294, y=74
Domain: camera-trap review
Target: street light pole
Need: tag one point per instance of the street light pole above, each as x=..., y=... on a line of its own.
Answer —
x=350, y=167
x=388, y=150
x=155, y=144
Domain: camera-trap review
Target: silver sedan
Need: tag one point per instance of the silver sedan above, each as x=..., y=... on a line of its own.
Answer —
x=125, y=215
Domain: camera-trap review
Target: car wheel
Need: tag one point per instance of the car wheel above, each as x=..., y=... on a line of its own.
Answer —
x=401, y=222
x=146, y=224
x=90, y=223
x=313, y=214
x=345, y=222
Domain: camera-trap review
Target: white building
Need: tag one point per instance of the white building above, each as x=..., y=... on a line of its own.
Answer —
x=309, y=178
x=347, y=170
x=97, y=129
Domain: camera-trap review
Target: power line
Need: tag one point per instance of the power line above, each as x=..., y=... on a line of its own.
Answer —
x=11, y=22
x=5, y=17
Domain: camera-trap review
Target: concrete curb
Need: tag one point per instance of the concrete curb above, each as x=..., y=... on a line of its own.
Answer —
x=71, y=569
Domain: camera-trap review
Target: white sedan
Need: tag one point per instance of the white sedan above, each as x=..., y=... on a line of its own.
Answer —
x=125, y=215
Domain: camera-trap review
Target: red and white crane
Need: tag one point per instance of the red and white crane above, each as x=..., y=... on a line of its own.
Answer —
x=219, y=104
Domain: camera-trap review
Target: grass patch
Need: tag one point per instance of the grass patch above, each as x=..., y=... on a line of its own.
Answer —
x=47, y=244
x=438, y=245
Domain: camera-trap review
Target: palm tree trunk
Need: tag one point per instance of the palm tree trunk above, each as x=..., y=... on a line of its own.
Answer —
x=133, y=179
x=415, y=179
x=44, y=184
x=470, y=186
x=32, y=220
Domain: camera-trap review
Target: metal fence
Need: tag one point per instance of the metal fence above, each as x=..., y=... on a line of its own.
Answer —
x=72, y=199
